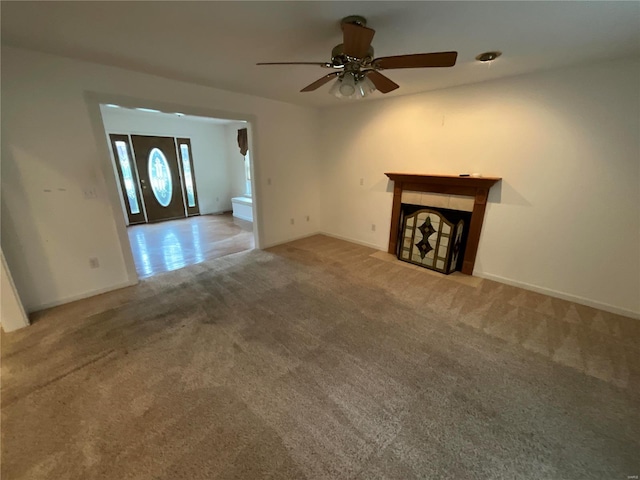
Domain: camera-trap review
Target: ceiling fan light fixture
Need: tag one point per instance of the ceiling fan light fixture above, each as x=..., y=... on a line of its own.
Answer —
x=365, y=86
x=347, y=85
x=344, y=86
x=335, y=89
x=357, y=69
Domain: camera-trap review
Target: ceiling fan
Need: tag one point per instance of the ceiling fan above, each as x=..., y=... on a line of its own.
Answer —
x=356, y=69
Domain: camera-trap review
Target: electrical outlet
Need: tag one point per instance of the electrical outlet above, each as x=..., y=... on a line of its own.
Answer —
x=217, y=199
x=373, y=227
x=362, y=181
x=94, y=263
x=307, y=218
x=269, y=181
x=292, y=221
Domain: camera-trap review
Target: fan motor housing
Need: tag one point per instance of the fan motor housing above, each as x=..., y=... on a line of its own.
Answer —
x=339, y=58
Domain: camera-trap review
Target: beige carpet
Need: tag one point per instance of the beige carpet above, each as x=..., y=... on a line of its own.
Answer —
x=318, y=360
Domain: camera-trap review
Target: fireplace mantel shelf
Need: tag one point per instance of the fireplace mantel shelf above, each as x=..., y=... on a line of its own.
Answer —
x=482, y=182
x=476, y=187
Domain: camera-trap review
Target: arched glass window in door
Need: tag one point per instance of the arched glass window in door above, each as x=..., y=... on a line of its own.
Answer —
x=160, y=177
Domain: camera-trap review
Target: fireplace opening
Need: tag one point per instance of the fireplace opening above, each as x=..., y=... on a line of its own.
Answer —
x=433, y=237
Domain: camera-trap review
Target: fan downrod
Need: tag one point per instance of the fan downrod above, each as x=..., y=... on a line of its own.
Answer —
x=339, y=59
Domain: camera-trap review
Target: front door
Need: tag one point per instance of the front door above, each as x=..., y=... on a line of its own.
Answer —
x=159, y=177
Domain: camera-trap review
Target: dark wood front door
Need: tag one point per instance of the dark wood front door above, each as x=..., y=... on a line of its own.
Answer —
x=159, y=175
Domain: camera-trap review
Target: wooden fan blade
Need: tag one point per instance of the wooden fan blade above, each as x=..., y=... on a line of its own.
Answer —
x=357, y=39
x=321, y=64
x=318, y=83
x=382, y=83
x=419, y=60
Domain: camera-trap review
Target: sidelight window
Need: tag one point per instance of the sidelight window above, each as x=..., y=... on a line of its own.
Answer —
x=127, y=174
x=188, y=175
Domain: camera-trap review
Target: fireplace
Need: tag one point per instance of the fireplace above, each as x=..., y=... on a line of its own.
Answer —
x=437, y=192
x=432, y=237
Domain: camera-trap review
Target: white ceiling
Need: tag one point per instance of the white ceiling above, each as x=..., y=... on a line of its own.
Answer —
x=218, y=43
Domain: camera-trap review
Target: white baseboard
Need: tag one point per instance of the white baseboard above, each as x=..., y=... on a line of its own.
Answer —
x=526, y=286
x=307, y=235
x=352, y=240
x=90, y=293
x=562, y=295
x=217, y=212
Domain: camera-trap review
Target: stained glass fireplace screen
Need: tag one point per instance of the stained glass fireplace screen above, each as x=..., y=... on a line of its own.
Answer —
x=429, y=240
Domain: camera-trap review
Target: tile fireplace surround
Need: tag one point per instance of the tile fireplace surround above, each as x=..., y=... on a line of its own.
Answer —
x=477, y=188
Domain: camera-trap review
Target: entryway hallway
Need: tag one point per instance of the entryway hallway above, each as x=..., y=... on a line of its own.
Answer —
x=166, y=246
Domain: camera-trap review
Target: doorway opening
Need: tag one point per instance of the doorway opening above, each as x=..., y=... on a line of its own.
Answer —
x=179, y=177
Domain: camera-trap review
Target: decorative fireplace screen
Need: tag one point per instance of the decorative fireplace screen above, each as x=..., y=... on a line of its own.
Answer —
x=429, y=240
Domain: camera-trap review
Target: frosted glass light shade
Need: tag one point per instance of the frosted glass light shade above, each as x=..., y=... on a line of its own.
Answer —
x=348, y=87
x=335, y=89
x=366, y=86
x=344, y=87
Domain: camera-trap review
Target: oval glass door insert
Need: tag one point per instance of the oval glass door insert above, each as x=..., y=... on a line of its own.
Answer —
x=160, y=177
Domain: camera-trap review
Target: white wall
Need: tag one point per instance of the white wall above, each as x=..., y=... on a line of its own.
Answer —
x=566, y=218
x=53, y=149
x=214, y=172
x=12, y=314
